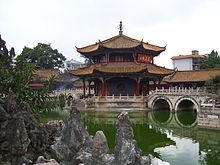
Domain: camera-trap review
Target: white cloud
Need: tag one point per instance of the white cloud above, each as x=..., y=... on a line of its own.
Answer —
x=183, y=25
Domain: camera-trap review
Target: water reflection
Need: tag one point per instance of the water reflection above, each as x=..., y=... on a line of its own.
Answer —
x=173, y=137
x=186, y=118
x=164, y=119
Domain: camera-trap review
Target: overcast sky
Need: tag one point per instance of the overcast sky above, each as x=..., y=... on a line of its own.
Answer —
x=182, y=25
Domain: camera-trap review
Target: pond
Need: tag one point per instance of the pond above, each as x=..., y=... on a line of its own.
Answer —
x=172, y=137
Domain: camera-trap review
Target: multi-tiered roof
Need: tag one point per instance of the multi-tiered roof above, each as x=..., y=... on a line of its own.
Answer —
x=122, y=43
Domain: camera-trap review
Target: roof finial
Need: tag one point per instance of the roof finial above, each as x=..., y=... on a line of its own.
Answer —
x=120, y=28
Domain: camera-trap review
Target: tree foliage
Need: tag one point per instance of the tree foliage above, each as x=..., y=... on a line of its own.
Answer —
x=213, y=85
x=44, y=56
x=15, y=78
x=212, y=61
x=6, y=57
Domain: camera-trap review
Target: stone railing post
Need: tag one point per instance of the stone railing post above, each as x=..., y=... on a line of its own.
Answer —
x=175, y=89
x=213, y=105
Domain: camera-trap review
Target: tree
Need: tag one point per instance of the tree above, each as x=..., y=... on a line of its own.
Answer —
x=6, y=58
x=212, y=61
x=15, y=78
x=213, y=85
x=6, y=67
x=44, y=56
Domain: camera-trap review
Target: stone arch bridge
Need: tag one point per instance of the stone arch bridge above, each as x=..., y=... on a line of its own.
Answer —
x=177, y=99
x=173, y=99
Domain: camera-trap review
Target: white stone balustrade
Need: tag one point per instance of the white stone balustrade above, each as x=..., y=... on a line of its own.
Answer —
x=175, y=90
x=120, y=98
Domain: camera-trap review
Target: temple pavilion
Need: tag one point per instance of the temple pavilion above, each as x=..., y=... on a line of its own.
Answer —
x=120, y=66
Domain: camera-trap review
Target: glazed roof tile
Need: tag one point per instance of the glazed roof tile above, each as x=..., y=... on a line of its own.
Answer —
x=82, y=71
x=129, y=68
x=45, y=74
x=154, y=69
x=192, y=76
x=120, y=42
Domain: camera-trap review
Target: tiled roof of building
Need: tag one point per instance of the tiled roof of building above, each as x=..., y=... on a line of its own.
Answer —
x=82, y=71
x=188, y=56
x=132, y=68
x=45, y=74
x=121, y=69
x=120, y=42
x=154, y=69
x=192, y=76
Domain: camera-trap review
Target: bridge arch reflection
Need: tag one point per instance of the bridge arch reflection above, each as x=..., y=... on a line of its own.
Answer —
x=161, y=120
x=187, y=119
x=181, y=119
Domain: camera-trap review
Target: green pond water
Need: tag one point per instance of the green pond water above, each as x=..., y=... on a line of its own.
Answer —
x=172, y=137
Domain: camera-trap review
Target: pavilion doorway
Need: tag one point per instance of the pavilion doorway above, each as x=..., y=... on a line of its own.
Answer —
x=121, y=86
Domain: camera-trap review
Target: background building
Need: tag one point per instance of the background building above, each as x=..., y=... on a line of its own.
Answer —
x=73, y=65
x=187, y=62
x=191, y=78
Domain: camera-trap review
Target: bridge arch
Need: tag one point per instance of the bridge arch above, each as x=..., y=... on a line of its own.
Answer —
x=186, y=102
x=160, y=101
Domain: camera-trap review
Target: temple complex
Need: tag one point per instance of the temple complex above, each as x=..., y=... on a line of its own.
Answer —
x=120, y=66
x=191, y=78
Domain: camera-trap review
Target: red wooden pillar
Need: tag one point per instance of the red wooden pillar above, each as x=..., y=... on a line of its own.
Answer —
x=89, y=88
x=84, y=90
x=148, y=84
x=103, y=87
x=106, y=88
x=155, y=85
x=138, y=87
x=96, y=87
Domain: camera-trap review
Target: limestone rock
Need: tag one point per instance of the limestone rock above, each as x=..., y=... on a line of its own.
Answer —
x=54, y=128
x=3, y=114
x=126, y=151
x=42, y=161
x=21, y=140
x=99, y=153
x=29, y=119
x=100, y=145
x=18, y=137
x=75, y=138
x=13, y=134
x=10, y=104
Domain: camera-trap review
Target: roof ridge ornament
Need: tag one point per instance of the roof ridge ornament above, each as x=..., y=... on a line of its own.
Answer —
x=120, y=28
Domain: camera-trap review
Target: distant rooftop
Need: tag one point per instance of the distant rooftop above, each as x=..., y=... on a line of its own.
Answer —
x=192, y=76
x=74, y=61
x=195, y=54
